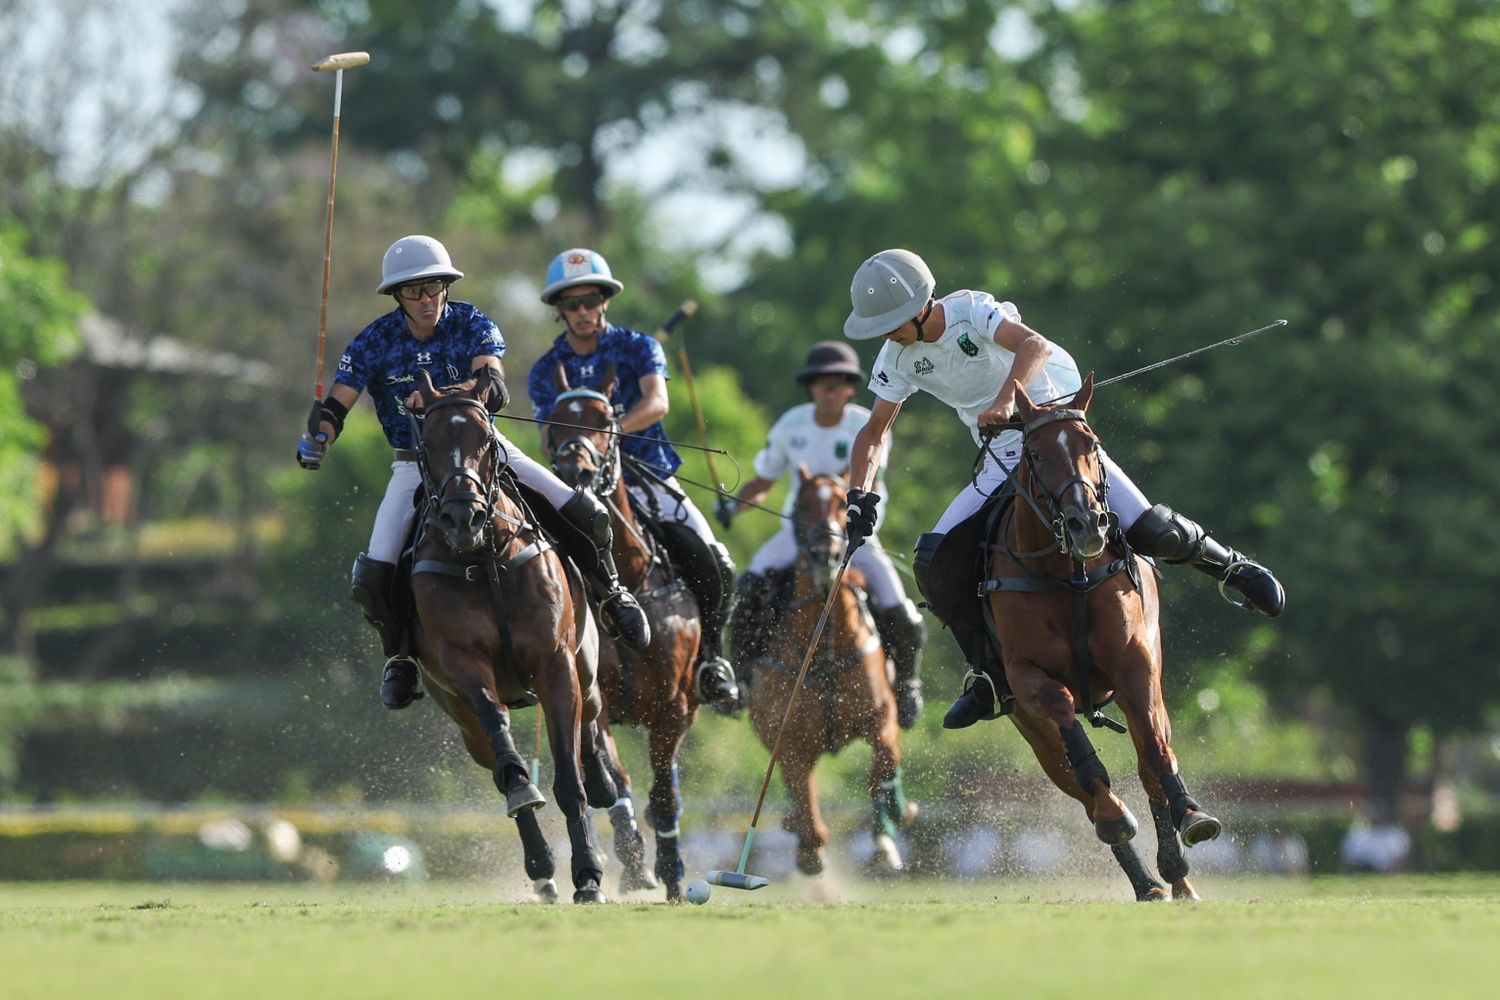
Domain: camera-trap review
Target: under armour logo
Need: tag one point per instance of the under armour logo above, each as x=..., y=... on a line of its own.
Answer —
x=424, y=357
x=798, y=441
x=923, y=366
x=585, y=371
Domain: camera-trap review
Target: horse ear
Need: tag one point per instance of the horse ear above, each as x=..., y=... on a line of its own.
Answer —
x=1085, y=394
x=425, y=387
x=803, y=472
x=560, y=378
x=607, y=384
x=1024, y=406
x=484, y=384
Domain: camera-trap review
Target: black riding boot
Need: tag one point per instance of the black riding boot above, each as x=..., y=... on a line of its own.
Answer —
x=620, y=613
x=717, y=687
x=370, y=586
x=749, y=624
x=983, y=685
x=903, y=633
x=1165, y=534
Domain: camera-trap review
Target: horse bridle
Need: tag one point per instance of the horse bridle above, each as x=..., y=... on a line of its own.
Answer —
x=805, y=533
x=486, y=490
x=1053, y=516
x=605, y=475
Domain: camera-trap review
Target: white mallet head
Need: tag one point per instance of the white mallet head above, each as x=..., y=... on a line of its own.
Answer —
x=697, y=892
x=341, y=60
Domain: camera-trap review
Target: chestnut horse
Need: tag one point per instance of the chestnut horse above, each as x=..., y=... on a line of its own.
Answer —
x=1076, y=615
x=653, y=687
x=847, y=694
x=501, y=624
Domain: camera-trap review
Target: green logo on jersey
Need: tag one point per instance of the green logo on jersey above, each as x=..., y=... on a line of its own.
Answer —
x=841, y=450
x=968, y=346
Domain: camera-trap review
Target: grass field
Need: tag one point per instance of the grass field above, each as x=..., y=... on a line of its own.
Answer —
x=1366, y=937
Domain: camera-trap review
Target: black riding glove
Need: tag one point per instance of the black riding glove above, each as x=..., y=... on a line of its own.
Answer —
x=725, y=510
x=862, y=504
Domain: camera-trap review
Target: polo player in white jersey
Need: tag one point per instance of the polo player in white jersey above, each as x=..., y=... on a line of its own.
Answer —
x=819, y=434
x=971, y=351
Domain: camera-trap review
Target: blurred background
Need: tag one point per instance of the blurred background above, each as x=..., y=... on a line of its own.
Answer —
x=182, y=673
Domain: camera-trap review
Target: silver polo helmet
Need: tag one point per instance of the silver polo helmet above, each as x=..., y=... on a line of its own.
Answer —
x=412, y=258
x=888, y=290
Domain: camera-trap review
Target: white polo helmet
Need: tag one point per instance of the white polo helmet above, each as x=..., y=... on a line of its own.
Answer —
x=579, y=266
x=412, y=258
x=888, y=290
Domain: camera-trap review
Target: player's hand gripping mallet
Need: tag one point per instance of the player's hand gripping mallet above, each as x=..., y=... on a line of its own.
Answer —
x=688, y=307
x=738, y=879
x=338, y=63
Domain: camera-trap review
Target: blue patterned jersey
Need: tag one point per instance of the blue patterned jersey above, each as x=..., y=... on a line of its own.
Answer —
x=385, y=359
x=634, y=355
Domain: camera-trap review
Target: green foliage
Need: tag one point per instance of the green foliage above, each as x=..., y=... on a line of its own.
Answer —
x=40, y=330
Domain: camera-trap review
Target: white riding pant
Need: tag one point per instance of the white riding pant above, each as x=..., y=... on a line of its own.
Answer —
x=396, y=512
x=674, y=505
x=1125, y=497
x=780, y=551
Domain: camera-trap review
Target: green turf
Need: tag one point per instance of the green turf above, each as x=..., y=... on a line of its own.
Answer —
x=1407, y=937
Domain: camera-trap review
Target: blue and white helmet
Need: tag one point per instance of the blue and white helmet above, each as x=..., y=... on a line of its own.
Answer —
x=579, y=266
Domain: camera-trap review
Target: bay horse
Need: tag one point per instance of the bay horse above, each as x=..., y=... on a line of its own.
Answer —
x=654, y=687
x=1076, y=613
x=847, y=694
x=501, y=623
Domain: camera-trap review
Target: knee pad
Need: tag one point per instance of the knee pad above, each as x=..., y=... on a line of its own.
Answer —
x=1166, y=534
x=370, y=585
x=925, y=551
x=587, y=512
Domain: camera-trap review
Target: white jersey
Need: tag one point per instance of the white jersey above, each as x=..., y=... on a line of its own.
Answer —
x=798, y=437
x=964, y=367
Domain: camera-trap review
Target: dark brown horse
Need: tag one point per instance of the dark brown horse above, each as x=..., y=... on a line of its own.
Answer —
x=847, y=695
x=1076, y=615
x=653, y=687
x=501, y=623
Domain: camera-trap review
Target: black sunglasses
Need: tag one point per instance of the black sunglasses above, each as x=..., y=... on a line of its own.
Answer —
x=590, y=301
x=414, y=293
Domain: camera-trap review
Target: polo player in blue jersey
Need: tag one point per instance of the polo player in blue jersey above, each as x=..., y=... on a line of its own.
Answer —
x=451, y=341
x=580, y=285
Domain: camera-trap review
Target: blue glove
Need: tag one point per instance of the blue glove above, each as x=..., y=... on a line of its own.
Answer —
x=862, y=504
x=310, y=450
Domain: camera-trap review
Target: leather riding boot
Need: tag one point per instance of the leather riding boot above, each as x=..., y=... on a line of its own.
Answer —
x=717, y=687
x=903, y=633
x=619, y=611
x=980, y=700
x=1163, y=533
x=370, y=586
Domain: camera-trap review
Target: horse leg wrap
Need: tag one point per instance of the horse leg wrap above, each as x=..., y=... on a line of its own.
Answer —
x=1169, y=859
x=1177, y=798
x=1083, y=759
x=1140, y=880
x=890, y=805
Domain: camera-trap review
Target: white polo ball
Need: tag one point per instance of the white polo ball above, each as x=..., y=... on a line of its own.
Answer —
x=698, y=892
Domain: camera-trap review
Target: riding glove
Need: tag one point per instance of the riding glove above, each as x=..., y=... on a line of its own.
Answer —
x=861, y=525
x=310, y=450
x=725, y=510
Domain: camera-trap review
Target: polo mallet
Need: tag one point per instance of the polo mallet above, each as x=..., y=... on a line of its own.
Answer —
x=338, y=63
x=688, y=308
x=738, y=879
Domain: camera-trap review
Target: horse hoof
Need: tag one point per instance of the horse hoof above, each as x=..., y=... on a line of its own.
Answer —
x=674, y=890
x=1155, y=894
x=1183, y=890
x=1197, y=827
x=810, y=862
x=887, y=858
x=545, y=890
x=519, y=800
x=912, y=809
x=1117, y=831
x=634, y=879
x=589, y=894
